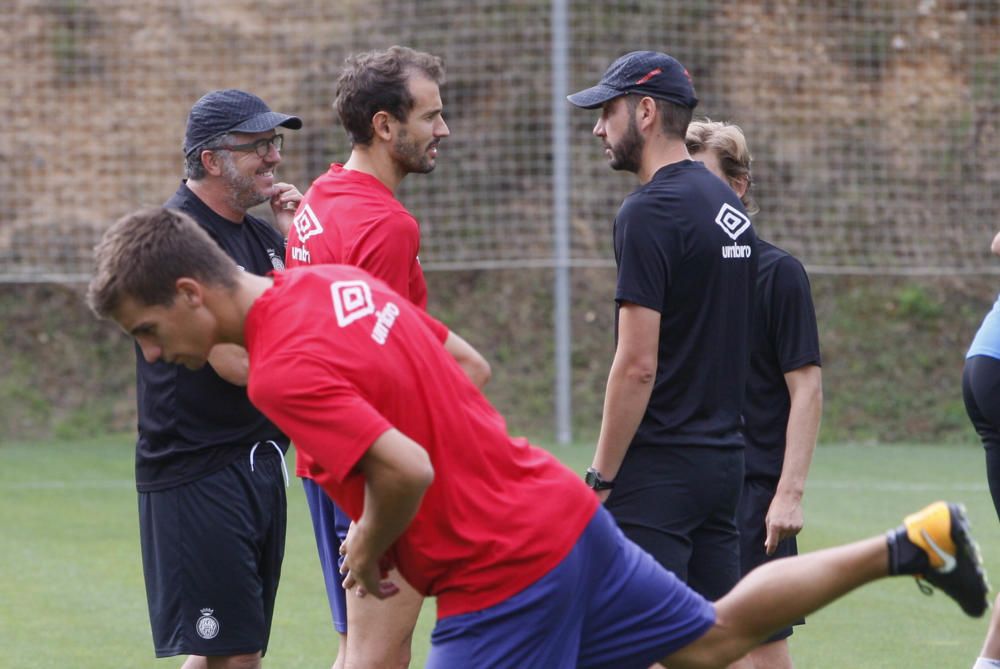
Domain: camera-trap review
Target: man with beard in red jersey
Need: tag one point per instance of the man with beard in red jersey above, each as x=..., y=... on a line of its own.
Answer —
x=389, y=103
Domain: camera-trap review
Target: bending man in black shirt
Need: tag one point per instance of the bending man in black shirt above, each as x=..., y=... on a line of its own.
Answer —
x=669, y=459
x=209, y=467
x=784, y=391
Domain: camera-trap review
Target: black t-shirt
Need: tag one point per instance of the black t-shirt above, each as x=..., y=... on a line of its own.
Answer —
x=785, y=338
x=193, y=423
x=685, y=247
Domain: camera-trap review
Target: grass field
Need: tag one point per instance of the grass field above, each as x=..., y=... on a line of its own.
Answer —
x=71, y=591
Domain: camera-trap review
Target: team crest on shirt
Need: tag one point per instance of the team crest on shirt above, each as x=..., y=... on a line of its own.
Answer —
x=307, y=223
x=276, y=261
x=207, y=625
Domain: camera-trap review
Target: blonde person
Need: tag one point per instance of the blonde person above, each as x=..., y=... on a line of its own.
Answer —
x=784, y=399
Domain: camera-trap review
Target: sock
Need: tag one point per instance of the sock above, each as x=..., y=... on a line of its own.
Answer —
x=986, y=663
x=904, y=556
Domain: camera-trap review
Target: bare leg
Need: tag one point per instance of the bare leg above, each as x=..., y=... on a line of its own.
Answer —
x=341, y=652
x=772, y=655
x=247, y=661
x=991, y=647
x=778, y=593
x=743, y=663
x=746, y=662
x=195, y=662
x=379, y=632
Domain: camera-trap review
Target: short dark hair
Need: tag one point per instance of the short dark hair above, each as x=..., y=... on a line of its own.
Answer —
x=676, y=118
x=376, y=81
x=142, y=255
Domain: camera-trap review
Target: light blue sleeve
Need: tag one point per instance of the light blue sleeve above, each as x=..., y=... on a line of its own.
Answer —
x=987, y=339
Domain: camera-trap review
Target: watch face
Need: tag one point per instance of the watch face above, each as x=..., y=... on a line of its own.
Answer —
x=591, y=478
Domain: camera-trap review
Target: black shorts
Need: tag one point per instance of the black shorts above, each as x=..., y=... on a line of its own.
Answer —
x=211, y=556
x=679, y=504
x=981, y=392
x=754, y=503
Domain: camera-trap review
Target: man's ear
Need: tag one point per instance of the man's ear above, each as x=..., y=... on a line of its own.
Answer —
x=190, y=291
x=382, y=125
x=211, y=161
x=645, y=112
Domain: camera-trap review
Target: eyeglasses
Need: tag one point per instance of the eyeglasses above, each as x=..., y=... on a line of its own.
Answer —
x=261, y=147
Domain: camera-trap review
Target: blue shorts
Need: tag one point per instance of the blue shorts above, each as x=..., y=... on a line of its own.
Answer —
x=754, y=504
x=607, y=604
x=330, y=526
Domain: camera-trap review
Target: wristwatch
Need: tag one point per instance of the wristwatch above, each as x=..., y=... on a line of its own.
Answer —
x=595, y=482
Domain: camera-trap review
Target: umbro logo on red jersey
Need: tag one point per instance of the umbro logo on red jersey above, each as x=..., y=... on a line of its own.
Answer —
x=306, y=223
x=351, y=300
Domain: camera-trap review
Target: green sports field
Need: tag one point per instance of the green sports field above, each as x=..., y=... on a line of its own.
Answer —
x=71, y=592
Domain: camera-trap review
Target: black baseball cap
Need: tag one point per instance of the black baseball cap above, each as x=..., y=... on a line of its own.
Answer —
x=231, y=110
x=642, y=72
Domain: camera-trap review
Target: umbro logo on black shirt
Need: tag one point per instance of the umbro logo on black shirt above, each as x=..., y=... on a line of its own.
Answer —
x=734, y=222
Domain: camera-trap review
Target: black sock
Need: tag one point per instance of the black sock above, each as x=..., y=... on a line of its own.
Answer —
x=905, y=557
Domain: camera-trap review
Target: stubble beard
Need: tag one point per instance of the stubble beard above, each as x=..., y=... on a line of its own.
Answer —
x=243, y=191
x=626, y=155
x=411, y=157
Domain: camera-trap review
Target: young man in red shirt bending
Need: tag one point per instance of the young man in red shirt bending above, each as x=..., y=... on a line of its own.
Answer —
x=528, y=569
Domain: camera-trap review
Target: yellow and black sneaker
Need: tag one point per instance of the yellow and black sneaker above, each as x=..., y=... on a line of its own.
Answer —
x=934, y=544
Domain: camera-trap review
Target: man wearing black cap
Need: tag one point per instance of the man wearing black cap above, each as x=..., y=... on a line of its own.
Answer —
x=209, y=467
x=669, y=458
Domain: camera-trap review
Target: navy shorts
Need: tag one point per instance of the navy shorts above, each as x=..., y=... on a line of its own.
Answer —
x=330, y=525
x=607, y=604
x=679, y=504
x=754, y=503
x=211, y=556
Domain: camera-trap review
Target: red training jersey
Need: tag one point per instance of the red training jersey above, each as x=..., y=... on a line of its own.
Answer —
x=349, y=217
x=337, y=359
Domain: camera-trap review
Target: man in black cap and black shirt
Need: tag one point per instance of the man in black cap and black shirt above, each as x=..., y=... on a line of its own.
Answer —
x=210, y=468
x=669, y=459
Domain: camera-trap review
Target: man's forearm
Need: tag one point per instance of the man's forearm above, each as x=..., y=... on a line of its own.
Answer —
x=385, y=518
x=630, y=384
x=625, y=403
x=469, y=359
x=391, y=502
x=802, y=430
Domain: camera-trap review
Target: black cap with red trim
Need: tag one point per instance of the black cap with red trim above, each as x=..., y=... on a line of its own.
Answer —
x=644, y=73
